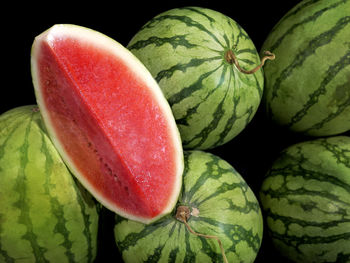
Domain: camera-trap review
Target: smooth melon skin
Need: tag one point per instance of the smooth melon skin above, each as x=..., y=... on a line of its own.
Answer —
x=109, y=120
x=221, y=205
x=307, y=87
x=189, y=52
x=45, y=214
x=306, y=201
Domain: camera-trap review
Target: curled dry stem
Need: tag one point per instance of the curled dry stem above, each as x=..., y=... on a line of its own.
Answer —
x=232, y=59
x=183, y=214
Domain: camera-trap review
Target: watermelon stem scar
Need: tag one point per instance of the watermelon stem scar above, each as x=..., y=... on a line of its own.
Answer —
x=35, y=109
x=232, y=59
x=183, y=213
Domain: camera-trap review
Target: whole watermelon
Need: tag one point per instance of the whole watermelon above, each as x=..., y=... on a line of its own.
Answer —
x=189, y=51
x=306, y=201
x=45, y=216
x=221, y=204
x=307, y=87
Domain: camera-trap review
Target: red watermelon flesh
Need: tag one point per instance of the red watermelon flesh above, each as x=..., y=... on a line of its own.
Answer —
x=109, y=121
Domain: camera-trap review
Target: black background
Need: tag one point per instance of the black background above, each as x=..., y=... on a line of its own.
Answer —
x=251, y=152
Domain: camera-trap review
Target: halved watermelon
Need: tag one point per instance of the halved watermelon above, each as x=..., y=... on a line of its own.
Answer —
x=109, y=120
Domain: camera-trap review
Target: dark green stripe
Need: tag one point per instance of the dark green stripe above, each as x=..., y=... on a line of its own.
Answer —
x=183, y=67
x=172, y=230
x=246, y=50
x=198, y=11
x=188, y=21
x=60, y=227
x=250, y=112
x=175, y=41
x=188, y=91
x=22, y=203
x=133, y=238
x=235, y=233
x=284, y=192
x=155, y=257
x=227, y=41
x=288, y=220
x=202, y=179
x=302, y=5
x=242, y=34
x=173, y=254
x=246, y=61
x=83, y=203
x=309, y=19
x=176, y=98
x=229, y=124
x=319, y=41
x=217, y=115
x=190, y=256
x=297, y=241
x=207, y=248
x=340, y=154
x=340, y=109
x=252, y=64
x=183, y=195
x=233, y=118
x=236, y=27
x=331, y=73
x=56, y=208
x=224, y=187
x=249, y=205
x=246, y=80
x=307, y=174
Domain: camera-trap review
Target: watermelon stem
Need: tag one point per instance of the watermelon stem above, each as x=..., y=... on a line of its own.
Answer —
x=183, y=213
x=232, y=59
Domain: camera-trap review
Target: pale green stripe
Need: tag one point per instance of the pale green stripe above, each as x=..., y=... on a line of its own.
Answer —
x=310, y=19
x=322, y=39
x=56, y=207
x=22, y=204
x=87, y=223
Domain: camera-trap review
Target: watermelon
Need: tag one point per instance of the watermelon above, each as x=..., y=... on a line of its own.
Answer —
x=200, y=59
x=307, y=87
x=109, y=120
x=306, y=201
x=216, y=201
x=45, y=215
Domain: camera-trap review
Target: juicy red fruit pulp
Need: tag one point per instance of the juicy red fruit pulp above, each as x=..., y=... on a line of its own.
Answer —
x=108, y=123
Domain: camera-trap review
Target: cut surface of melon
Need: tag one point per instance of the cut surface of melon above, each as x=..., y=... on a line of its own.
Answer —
x=109, y=120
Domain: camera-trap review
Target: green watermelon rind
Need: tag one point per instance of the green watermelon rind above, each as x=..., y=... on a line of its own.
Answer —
x=305, y=198
x=45, y=215
x=222, y=204
x=184, y=49
x=307, y=86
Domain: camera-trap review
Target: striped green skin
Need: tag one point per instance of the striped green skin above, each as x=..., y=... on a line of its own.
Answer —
x=307, y=87
x=306, y=201
x=227, y=208
x=45, y=216
x=184, y=49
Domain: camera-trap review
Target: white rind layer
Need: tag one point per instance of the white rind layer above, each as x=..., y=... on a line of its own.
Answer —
x=106, y=43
